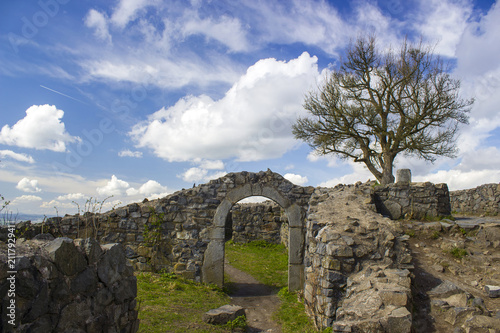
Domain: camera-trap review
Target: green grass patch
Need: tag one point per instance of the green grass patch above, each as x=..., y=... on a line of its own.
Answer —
x=266, y=262
x=292, y=314
x=171, y=304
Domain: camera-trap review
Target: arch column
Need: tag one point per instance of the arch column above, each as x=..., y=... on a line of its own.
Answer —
x=295, y=248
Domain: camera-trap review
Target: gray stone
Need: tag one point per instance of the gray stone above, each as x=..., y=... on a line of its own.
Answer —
x=399, y=321
x=394, y=209
x=73, y=317
x=493, y=291
x=445, y=289
x=65, y=256
x=482, y=323
x=223, y=314
x=458, y=315
x=85, y=282
x=403, y=176
x=113, y=265
x=125, y=290
x=92, y=249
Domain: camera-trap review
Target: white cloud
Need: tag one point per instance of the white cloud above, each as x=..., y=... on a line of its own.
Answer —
x=129, y=153
x=25, y=199
x=251, y=122
x=459, y=180
x=211, y=165
x=225, y=30
x=151, y=187
x=200, y=175
x=194, y=175
x=127, y=10
x=98, y=22
x=479, y=46
x=331, y=159
x=71, y=196
x=28, y=185
x=360, y=173
x=60, y=206
x=443, y=22
x=309, y=22
x=254, y=199
x=17, y=156
x=40, y=129
x=296, y=179
x=114, y=187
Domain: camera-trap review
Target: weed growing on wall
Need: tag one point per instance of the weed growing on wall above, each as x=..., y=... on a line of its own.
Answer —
x=152, y=229
x=91, y=212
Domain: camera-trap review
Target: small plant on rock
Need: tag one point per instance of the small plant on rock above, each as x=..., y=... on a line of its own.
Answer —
x=152, y=229
x=458, y=252
x=410, y=232
x=240, y=322
x=435, y=235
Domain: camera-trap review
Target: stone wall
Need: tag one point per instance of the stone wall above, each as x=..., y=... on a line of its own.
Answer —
x=257, y=221
x=68, y=286
x=484, y=199
x=174, y=233
x=357, y=263
x=412, y=200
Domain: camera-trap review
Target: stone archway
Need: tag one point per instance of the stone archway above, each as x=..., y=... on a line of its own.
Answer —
x=213, y=264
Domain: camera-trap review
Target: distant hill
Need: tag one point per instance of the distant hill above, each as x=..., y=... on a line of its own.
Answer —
x=20, y=217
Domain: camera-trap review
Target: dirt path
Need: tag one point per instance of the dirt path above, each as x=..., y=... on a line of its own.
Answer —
x=260, y=301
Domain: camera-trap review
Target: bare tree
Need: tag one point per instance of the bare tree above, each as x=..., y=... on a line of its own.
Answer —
x=379, y=104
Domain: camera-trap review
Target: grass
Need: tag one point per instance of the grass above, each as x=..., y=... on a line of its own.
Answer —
x=458, y=252
x=168, y=303
x=171, y=304
x=266, y=262
x=292, y=314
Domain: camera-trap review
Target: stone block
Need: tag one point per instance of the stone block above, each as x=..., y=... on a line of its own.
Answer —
x=223, y=315
x=295, y=277
x=213, y=264
x=477, y=324
x=65, y=256
x=445, y=289
x=113, y=265
x=331, y=263
x=394, y=297
x=492, y=291
x=458, y=315
x=296, y=244
x=403, y=176
x=341, y=251
x=85, y=282
x=399, y=321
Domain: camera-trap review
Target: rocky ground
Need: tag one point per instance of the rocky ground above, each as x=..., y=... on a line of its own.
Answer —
x=456, y=265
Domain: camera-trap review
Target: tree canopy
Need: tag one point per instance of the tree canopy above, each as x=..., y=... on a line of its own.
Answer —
x=379, y=104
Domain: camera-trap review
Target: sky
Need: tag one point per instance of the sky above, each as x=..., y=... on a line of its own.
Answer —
x=117, y=101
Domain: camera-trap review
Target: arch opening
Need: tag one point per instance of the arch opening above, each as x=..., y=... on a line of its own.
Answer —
x=213, y=263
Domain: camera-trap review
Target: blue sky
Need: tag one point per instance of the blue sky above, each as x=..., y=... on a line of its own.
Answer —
x=135, y=99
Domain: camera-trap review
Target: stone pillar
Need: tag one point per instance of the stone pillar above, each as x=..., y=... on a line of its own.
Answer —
x=295, y=258
x=213, y=261
x=403, y=176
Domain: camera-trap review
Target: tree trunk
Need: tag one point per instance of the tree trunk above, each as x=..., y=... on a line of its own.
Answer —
x=387, y=176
